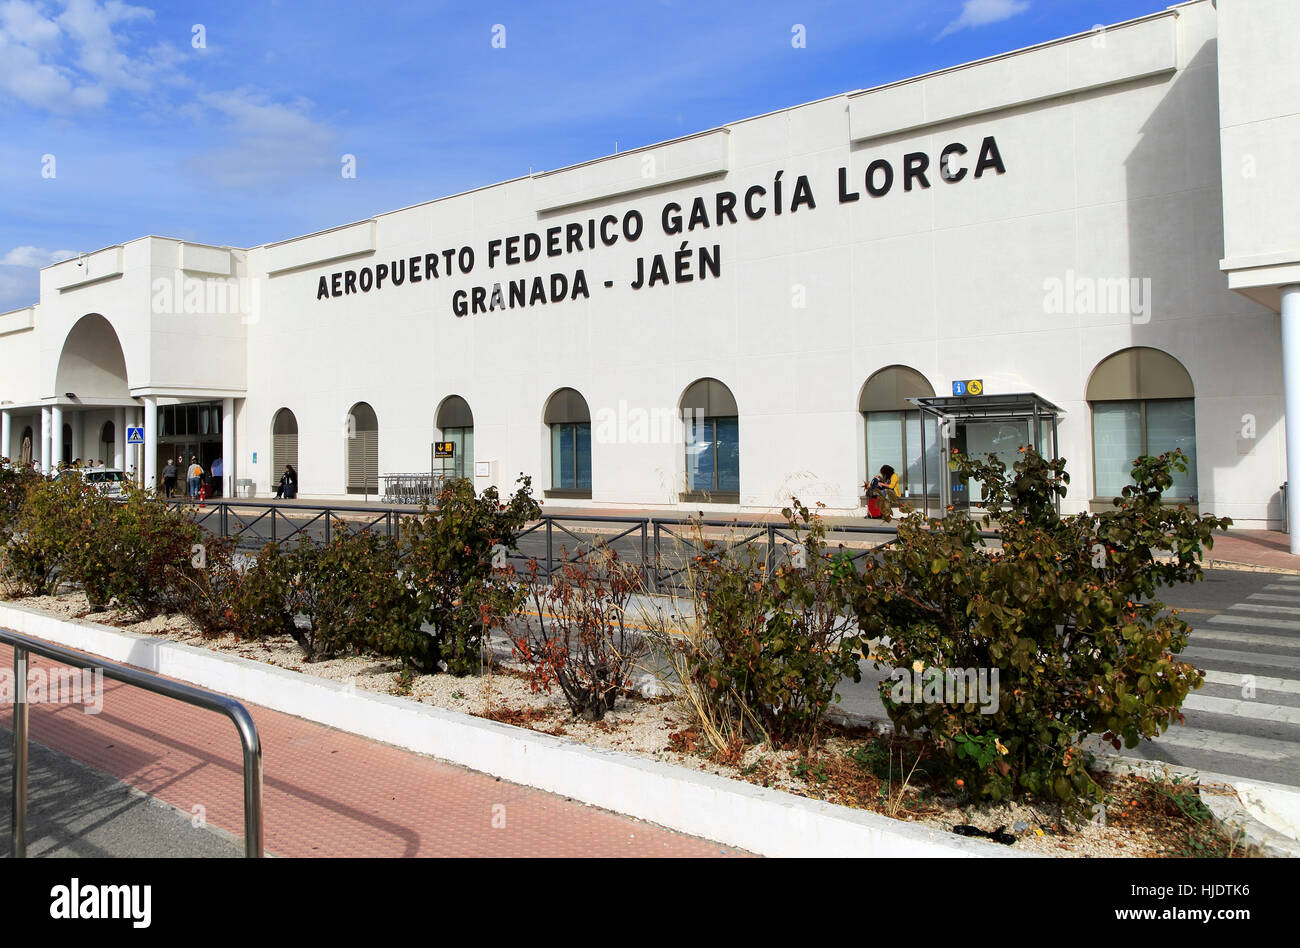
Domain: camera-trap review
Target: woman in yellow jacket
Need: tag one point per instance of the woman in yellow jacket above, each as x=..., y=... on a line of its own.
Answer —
x=886, y=480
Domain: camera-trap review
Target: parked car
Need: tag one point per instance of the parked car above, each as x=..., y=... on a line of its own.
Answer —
x=107, y=480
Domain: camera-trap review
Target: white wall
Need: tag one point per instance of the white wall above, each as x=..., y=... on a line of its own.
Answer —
x=1119, y=181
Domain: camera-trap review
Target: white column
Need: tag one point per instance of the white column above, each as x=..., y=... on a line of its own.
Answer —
x=227, y=447
x=150, y=442
x=56, y=437
x=1291, y=390
x=45, y=438
x=119, y=439
x=6, y=435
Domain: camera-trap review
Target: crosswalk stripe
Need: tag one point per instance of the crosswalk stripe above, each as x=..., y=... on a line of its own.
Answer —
x=1273, y=597
x=1274, y=640
x=1207, y=657
x=1288, y=686
x=1258, y=622
x=1256, y=607
x=1221, y=742
x=1242, y=708
x=1282, y=587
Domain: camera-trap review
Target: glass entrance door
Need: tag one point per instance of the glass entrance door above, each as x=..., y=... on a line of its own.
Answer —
x=979, y=439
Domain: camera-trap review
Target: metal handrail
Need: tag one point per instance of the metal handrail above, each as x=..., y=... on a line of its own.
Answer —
x=240, y=518
x=211, y=701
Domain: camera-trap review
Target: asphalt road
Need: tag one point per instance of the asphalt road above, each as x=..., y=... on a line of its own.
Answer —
x=75, y=811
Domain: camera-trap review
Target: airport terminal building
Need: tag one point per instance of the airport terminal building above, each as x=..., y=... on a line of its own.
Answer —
x=1091, y=245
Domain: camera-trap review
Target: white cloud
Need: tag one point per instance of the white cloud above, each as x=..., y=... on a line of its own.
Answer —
x=269, y=142
x=34, y=257
x=20, y=283
x=976, y=13
x=78, y=57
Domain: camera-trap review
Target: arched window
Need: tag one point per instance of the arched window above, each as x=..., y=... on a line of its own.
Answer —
x=107, y=443
x=569, y=421
x=712, y=423
x=284, y=443
x=67, y=444
x=362, y=450
x=1142, y=403
x=455, y=423
x=897, y=434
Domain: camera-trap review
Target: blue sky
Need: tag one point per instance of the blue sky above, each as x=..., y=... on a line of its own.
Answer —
x=238, y=139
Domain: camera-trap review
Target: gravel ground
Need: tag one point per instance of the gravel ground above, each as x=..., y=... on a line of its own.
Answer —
x=637, y=726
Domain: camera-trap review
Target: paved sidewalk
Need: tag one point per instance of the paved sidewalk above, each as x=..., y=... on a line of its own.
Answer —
x=329, y=793
x=74, y=811
x=1268, y=549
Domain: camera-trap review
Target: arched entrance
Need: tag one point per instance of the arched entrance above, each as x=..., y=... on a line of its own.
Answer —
x=712, y=447
x=284, y=443
x=107, y=440
x=1143, y=403
x=455, y=423
x=898, y=434
x=362, y=449
x=90, y=381
x=569, y=420
x=91, y=364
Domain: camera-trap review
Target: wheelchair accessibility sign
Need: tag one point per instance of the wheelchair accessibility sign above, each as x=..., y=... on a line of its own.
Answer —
x=968, y=387
x=134, y=435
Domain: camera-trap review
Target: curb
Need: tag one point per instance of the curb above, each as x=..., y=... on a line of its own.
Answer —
x=758, y=819
x=1222, y=796
x=1250, y=567
x=1221, y=793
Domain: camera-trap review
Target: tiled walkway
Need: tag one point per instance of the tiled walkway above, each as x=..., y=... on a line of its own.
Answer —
x=1268, y=548
x=329, y=793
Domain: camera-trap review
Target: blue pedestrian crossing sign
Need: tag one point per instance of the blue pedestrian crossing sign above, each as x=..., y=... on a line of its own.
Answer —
x=134, y=435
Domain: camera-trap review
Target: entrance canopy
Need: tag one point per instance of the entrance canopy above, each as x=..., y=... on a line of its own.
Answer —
x=991, y=424
x=988, y=407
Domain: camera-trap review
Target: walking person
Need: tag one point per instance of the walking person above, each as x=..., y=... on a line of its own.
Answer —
x=194, y=477
x=169, y=477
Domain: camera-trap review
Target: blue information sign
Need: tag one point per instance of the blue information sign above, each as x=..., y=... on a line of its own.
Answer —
x=134, y=435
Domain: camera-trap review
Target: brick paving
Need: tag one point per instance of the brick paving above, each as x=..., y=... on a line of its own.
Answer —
x=330, y=793
x=1259, y=548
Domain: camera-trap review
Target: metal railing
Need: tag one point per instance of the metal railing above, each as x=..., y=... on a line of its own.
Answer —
x=252, y=744
x=660, y=546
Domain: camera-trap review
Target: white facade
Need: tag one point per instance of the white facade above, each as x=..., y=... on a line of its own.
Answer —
x=1086, y=216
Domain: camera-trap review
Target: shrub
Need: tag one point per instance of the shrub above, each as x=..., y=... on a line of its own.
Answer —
x=463, y=588
x=14, y=482
x=92, y=560
x=46, y=529
x=208, y=584
x=363, y=602
x=1058, y=611
x=153, y=547
x=269, y=593
x=581, y=639
x=772, y=648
